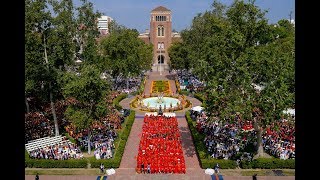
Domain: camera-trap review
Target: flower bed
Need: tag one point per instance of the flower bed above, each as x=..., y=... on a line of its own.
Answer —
x=160, y=87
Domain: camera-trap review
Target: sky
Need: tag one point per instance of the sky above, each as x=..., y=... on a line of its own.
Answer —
x=135, y=14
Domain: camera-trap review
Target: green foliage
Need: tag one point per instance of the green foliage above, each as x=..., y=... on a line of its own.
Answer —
x=178, y=54
x=231, y=48
x=197, y=138
x=118, y=99
x=224, y=164
x=89, y=89
x=37, y=24
x=87, y=32
x=273, y=163
x=268, y=163
x=184, y=92
x=125, y=53
x=245, y=165
x=201, y=97
x=44, y=163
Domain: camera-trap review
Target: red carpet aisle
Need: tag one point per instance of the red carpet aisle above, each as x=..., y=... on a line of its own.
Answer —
x=160, y=148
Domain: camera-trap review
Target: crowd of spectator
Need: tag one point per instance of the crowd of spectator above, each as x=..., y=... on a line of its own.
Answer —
x=103, y=132
x=226, y=139
x=62, y=151
x=37, y=123
x=280, y=143
x=103, y=143
x=127, y=85
x=37, y=126
x=189, y=81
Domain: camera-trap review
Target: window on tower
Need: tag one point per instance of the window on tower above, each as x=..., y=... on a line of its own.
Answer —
x=160, y=31
x=161, y=18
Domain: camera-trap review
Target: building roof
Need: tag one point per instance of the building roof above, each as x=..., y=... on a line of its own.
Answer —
x=160, y=8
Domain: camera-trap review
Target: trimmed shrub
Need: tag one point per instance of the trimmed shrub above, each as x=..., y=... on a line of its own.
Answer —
x=199, y=96
x=245, y=165
x=198, y=138
x=224, y=164
x=273, y=163
x=48, y=163
x=184, y=92
x=118, y=99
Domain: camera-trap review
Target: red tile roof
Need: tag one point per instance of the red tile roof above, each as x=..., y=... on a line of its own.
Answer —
x=160, y=8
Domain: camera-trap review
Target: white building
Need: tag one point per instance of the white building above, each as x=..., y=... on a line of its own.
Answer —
x=103, y=22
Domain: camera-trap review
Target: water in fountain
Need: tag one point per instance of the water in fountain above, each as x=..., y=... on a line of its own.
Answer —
x=160, y=98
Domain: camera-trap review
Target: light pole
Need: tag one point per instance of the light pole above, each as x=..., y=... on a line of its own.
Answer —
x=161, y=46
x=160, y=59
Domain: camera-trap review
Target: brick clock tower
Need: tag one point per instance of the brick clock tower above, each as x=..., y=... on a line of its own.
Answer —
x=160, y=37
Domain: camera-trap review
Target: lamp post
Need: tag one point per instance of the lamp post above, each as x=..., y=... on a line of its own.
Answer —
x=161, y=46
x=160, y=59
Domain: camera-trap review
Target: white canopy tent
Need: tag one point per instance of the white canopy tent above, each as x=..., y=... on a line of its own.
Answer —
x=290, y=111
x=197, y=108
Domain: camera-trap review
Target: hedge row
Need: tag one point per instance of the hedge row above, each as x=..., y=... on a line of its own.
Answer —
x=207, y=162
x=184, y=92
x=115, y=161
x=200, y=97
x=44, y=163
x=268, y=163
x=224, y=164
x=197, y=138
x=118, y=99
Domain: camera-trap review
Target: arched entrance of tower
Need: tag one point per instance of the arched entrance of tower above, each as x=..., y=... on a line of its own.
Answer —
x=161, y=59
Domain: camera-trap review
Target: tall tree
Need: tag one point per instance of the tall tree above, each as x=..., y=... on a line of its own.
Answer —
x=128, y=55
x=38, y=28
x=178, y=53
x=61, y=39
x=87, y=32
x=89, y=90
x=233, y=48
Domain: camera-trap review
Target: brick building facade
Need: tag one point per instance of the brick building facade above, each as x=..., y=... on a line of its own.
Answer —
x=161, y=36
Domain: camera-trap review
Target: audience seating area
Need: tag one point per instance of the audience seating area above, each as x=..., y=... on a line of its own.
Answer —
x=44, y=142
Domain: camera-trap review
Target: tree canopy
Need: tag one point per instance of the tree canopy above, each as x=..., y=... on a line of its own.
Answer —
x=233, y=49
x=126, y=53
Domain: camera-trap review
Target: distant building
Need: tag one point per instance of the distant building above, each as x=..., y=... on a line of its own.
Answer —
x=161, y=36
x=292, y=21
x=103, y=22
